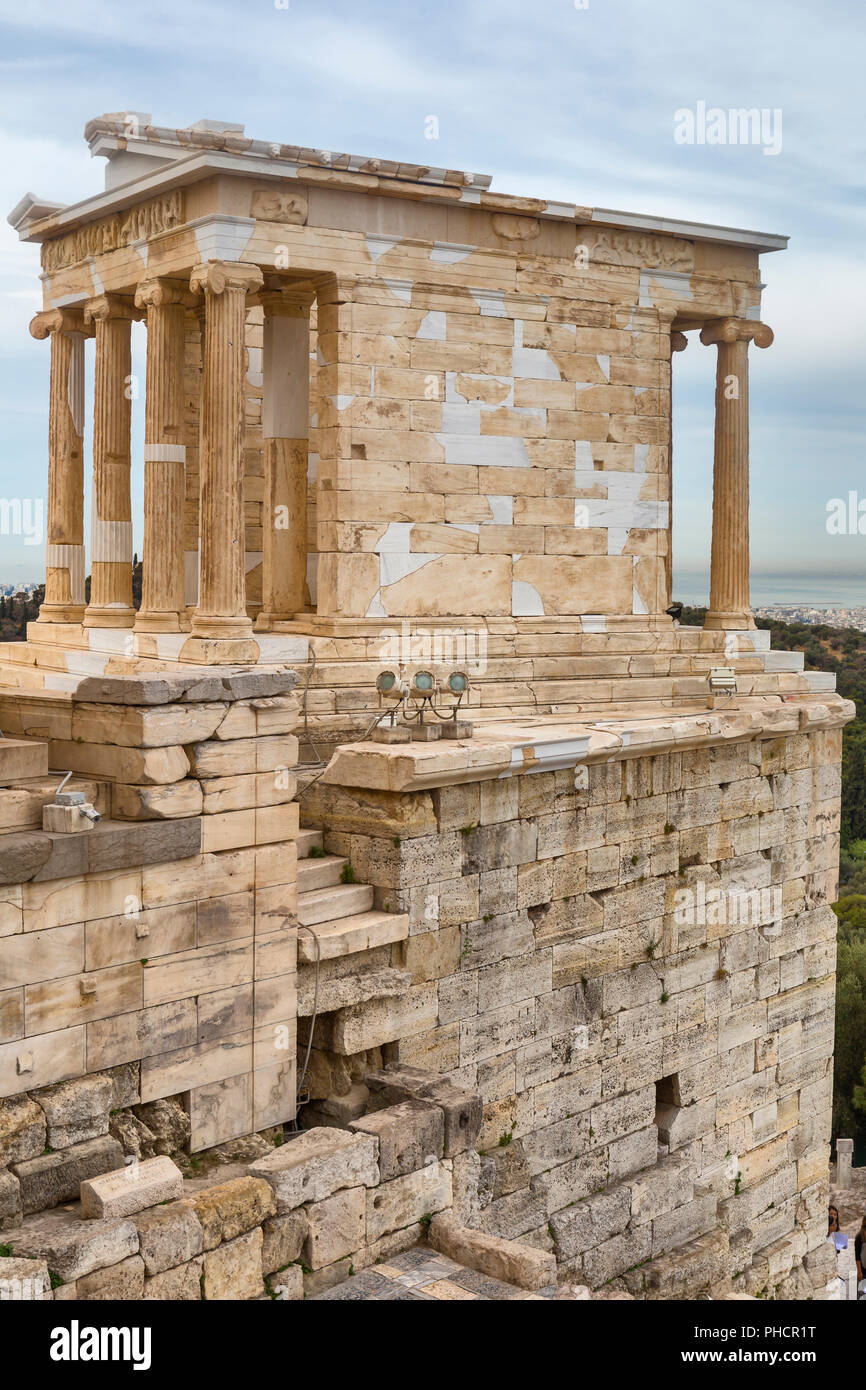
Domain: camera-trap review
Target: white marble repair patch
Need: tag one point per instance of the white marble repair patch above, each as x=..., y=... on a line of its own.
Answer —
x=502, y=508
x=393, y=567
x=401, y=289
x=536, y=364
x=396, y=539
x=593, y=622
x=485, y=451
x=450, y=252
x=378, y=245
x=603, y=360
x=221, y=237
x=641, y=457
x=432, y=326
x=525, y=600
x=490, y=302
x=676, y=283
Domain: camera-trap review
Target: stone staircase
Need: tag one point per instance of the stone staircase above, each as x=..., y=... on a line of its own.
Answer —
x=340, y=911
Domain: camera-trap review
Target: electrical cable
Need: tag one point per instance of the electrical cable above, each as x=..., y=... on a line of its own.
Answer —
x=302, y=926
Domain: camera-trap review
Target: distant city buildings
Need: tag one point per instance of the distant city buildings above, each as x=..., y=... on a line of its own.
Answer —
x=799, y=613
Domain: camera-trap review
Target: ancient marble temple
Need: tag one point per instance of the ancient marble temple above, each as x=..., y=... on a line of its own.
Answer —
x=562, y=983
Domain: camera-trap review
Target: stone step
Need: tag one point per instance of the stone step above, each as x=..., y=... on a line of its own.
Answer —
x=22, y=758
x=307, y=840
x=328, y=904
x=320, y=872
x=347, y=935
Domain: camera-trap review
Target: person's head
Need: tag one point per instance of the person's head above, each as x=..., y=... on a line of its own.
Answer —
x=833, y=1215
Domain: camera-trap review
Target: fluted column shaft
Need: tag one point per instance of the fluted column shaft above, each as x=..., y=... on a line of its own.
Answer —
x=162, y=598
x=729, y=561
x=221, y=611
x=64, y=523
x=111, y=515
x=285, y=430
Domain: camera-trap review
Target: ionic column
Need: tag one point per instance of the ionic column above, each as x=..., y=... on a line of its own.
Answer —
x=221, y=612
x=162, y=598
x=111, y=513
x=285, y=430
x=64, y=523
x=729, y=562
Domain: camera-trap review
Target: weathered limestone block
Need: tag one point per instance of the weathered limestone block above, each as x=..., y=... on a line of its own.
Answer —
x=410, y=1135
x=317, y=1164
x=180, y=1284
x=499, y=1259
x=405, y=1200
x=591, y=1222
x=168, y=802
x=57, y=1177
x=283, y=1241
x=139, y=766
x=169, y=1235
x=22, y=1129
x=157, y=726
x=167, y=1121
x=76, y=1110
x=336, y=1227
x=364, y=1026
x=234, y=757
x=234, y=1271
x=230, y=1208
x=121, y=1281
x=683, y=1272
x=24, y=1281
x=72, y=1247
x=131, y=1189
x=10, y=1199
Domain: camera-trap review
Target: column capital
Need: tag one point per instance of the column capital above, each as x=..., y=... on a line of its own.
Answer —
x=105, y=307
x=287, y=301
x=215, y=277
x=732, y=330
x=159, y=293
x=50, y=321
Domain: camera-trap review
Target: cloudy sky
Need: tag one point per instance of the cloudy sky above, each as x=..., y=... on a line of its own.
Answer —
x=570, y=101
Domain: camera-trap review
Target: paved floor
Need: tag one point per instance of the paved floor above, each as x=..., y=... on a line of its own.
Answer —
x=422, y=1274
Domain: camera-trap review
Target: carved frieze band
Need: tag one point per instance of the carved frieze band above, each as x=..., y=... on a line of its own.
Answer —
x=122, y=229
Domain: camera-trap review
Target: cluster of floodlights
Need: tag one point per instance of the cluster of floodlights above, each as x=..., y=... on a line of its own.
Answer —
x=415, y=700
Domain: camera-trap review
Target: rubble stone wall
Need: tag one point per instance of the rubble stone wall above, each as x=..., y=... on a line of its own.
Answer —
x=632, y=963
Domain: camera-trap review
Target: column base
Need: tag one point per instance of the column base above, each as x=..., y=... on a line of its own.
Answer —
x=220, y=651
x=61, y=613
x=729, y=622
x=160, y=622
x=109, y=617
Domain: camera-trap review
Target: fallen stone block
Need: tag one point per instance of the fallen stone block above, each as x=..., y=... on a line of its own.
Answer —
x=53, y=1178
x=410, y=1135
x=123, y=1281
x=508, y=1260
x=76, y=1110
x=72, y=1247
x=230, y=1208
x=24, y=1281
x=131, y=1189
x=284, y=1238
x=169, y=1235
x=234, y=1271
x=317, y=1164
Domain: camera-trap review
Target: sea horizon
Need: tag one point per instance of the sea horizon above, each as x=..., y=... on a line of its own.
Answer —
x=780, y=589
